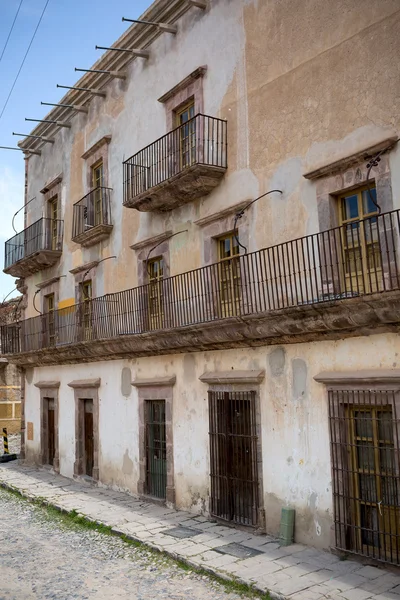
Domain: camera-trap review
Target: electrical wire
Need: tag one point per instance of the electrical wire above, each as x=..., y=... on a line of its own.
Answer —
x=156, y=246
x=24, y=59
x=373, y=162
x=18, y=211
x=11, y=30
x=240, y=214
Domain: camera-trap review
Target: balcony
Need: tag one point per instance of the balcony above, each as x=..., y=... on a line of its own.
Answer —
x=37, y=247
x=92, y=221
x=337, y=283
x=183, y=165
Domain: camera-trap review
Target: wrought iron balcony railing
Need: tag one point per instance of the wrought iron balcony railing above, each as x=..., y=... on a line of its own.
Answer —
x=44, y=237
x=352, y=260
x=166, y=173
x=92, y=217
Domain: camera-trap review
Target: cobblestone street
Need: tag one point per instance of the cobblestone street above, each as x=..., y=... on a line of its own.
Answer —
x=294, y=572
x=43, y=558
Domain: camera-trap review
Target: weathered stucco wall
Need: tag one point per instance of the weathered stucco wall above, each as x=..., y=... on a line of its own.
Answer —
x=294, y=415
x=293, y=98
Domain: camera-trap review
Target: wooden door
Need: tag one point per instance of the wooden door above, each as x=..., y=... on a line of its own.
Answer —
x=51, y=433
x=233, y=457
x=88, y=438
x=53, y=211
x=187, y=135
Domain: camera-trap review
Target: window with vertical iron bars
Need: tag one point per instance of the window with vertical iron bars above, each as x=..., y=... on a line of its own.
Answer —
x=233, y=457
x=156, y=449
x=364, y=433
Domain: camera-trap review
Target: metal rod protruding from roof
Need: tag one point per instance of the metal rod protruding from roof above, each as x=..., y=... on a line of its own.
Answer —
x=163, y=26
x=136, y=52
x=59, y=123
x=38, y=137
x=116, y=74
x=21, y=150
x=94, y=92
x=77, y=108
x=198, y=3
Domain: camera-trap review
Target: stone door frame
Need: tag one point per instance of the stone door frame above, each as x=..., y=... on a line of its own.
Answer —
x=159, y=388
x=49, y=390
x=86, y=389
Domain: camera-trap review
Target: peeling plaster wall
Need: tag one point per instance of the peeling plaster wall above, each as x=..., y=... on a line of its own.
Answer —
x=292, y=100
x=294, y=417
x=300, y=84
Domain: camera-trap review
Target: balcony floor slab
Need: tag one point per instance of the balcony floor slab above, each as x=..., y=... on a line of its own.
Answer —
x=350, y=317
x=193, y=182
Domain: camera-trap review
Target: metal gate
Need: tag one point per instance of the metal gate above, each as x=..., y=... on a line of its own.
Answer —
x=364, y=431
x=156, y=449
x=233, y=457
x=51, y=432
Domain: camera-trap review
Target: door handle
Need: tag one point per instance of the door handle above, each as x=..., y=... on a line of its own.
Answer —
x=379, y=506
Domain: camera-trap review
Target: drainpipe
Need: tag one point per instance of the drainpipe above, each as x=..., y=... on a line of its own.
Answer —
x=22, y=369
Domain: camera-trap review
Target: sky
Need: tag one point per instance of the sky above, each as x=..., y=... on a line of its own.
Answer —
x=65, y=39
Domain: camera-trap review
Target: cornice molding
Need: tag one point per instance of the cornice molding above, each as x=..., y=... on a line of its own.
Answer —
x=49, y=385
x=363, y=377
x=330, y=168
x=155, y=382
x=52, y=183
x=48, y=282
x=199, y=72
x=85, y=267
x=106, y=139
x=85, y=383
x=156, y=239
x=232, y=377
x=222, y=214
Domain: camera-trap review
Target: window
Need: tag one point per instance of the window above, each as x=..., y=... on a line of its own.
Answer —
x=155, y=269
x=360, y=240
x=97, y=182
x=86, y=299
x=366, y=483
x=187, y=134
x=53, y=215
x=50, y=317
x=229, y=275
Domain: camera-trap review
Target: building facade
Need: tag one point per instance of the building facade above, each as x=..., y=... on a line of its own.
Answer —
x=214, y=248
x=10, y=378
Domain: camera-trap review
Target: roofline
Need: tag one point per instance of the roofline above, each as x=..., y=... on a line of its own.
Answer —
x=137, y=36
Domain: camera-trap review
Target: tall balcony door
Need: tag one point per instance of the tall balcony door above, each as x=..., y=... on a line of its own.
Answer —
x=49, y=324
x=362, y=256
x=53, y=214
x=229, y=276
x=187, y=135
x=155, y=269
x=95, y=212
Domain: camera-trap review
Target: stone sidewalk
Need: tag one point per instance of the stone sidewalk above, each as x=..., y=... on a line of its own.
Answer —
x=294, y=572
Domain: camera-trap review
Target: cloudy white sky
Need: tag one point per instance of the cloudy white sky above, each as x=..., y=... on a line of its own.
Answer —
x=66, y=39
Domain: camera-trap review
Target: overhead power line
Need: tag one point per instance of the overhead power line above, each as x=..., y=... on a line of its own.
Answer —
x=24, y=59
x=11, y=30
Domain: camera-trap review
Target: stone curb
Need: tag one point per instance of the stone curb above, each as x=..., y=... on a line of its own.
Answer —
x=4, y=458
x=222, y=576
